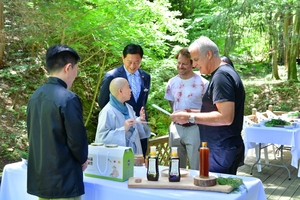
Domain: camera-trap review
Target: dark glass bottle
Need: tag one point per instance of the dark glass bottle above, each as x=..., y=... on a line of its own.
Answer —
x=152, y=170
x=204, y=161
x=174, y=170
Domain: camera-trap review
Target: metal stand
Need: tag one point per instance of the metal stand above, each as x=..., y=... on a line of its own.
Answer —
x=281, y=158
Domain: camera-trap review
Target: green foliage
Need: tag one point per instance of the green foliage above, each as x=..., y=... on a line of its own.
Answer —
x=23, y=154
x=159, y=78
x=9, y=152
x=95, y=28
x=238, y=27
x=234, y=182
x=186, y=7
x=276, y=122
x=284, y=96
x=97, y=25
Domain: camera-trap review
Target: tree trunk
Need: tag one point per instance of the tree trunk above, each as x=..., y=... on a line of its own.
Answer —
x=2, y=34
x=228, y=41
x=292, y=72
x=287, y=38
x=275, y=74
x=280, y=48
x=274, y=47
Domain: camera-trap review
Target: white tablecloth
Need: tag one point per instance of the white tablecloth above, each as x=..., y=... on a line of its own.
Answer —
x=13, y=187
x=281, y=136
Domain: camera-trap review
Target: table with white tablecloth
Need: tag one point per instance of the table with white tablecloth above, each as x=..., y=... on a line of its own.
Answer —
x=254, y=136
x=13, y=187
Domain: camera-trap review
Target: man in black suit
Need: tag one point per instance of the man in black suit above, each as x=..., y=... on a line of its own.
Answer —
x=138, y=79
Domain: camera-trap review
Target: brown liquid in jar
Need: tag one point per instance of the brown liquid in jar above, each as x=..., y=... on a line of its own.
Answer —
x=204, y=161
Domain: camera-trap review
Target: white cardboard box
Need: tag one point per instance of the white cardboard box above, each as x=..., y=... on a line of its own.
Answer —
x=113, y=163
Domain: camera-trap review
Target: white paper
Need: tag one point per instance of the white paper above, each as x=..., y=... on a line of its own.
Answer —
x=161, y=109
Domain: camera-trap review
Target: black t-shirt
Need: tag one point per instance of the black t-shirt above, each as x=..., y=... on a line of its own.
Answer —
x=225, y=85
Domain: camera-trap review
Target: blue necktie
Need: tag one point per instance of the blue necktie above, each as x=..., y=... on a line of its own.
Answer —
x=134, y=87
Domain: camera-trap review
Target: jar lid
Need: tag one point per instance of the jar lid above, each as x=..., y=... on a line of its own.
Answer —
x=111, y=145
x=97, y=144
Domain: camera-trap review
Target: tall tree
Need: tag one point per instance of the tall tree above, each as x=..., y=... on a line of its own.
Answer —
x=294, y=47
x=286, y=35
x=2, y=33
x=274, y=36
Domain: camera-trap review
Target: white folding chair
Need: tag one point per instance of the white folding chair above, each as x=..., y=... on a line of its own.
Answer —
x=271, y=115
x=249, y=122
x=260, y=117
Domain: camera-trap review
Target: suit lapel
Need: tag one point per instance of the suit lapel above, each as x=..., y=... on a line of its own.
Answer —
x=122, y=72
x=142, y=78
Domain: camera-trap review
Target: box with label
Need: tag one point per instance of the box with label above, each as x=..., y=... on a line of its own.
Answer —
x=110, y=162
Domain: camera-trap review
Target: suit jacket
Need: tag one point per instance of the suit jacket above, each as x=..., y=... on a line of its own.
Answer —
x=103, y=98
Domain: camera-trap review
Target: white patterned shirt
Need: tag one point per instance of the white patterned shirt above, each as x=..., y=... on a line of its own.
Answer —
x=186, y=93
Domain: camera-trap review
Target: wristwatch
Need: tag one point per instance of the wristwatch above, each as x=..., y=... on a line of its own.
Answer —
x=192, y=119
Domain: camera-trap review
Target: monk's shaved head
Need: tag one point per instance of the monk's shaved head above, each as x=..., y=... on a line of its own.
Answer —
x=116, y=84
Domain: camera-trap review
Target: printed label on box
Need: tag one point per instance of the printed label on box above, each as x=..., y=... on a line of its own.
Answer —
x=115, y=163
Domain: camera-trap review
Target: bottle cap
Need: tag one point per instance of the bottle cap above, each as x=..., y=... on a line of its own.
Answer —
x=204, y=144
x=153, y=150
x=174, y=151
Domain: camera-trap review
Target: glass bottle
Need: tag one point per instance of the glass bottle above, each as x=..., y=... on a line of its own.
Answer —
x=204, y=161
x=174, y=170
x=152, y=170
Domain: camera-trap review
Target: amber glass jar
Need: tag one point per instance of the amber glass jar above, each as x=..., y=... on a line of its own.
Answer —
x=204, y=161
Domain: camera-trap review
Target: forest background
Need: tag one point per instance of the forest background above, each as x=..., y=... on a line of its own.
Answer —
x=260, y=36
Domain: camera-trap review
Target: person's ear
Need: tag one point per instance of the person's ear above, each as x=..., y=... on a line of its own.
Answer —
x=120, y=91
x=67, y=67
x=209, y=54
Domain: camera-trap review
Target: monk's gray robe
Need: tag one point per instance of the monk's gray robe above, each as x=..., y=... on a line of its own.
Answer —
x=111, y=130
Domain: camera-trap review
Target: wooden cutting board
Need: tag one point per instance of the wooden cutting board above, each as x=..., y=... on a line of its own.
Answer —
x=186, y=183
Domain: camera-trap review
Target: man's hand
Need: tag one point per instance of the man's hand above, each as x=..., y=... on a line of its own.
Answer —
x=180, y=117
x=84, y=166
x=142, y=114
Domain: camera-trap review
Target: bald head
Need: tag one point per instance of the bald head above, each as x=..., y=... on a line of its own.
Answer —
x=116, y=84
x=119, y=88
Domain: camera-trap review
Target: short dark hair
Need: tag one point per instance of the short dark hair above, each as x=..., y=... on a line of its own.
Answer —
x=59, y=55
x=133, y=49
x=227, y=60
x=185, y=52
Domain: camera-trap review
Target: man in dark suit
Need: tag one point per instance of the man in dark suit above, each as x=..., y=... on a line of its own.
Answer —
x=138, y=79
